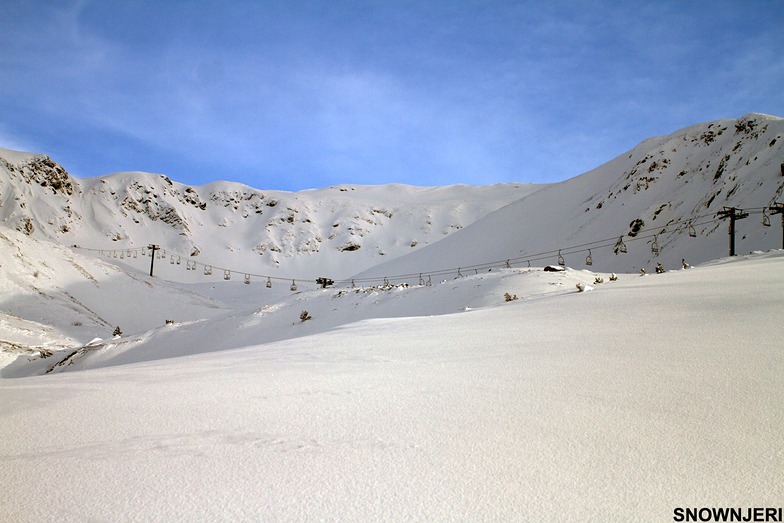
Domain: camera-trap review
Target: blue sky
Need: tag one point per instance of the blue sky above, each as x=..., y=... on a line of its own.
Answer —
x=293, y=94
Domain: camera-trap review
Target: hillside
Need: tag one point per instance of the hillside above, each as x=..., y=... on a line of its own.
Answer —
x=336, y=231
x=620, y=404
x=252, y=256
x=439, y=378
x=664, y=190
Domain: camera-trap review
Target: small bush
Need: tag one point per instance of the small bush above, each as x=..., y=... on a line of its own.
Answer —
x=305, y=316
x=325, y=282
x=117, y=331
x=509, y=297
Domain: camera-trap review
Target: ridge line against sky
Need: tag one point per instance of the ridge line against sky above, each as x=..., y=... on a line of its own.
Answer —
x=292, y=95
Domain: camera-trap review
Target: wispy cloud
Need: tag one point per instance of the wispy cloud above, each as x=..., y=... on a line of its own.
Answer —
x=322, y=93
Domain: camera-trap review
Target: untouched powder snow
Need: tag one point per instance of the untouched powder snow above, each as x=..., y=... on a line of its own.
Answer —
x=621, y=404
x=468, y=386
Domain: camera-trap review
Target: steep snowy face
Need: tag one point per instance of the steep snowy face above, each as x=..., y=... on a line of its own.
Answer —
x=658, y=203
x=337, y=230
x=35, y=192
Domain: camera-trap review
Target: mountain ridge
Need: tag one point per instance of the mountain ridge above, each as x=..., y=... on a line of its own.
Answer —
x=658, y=191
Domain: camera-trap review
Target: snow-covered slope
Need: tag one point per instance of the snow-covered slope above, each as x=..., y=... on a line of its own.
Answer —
x=52, y=298
x=622, y=404
x=651, y=197
x=660, y=191
x=335, y=231
x=473, y=391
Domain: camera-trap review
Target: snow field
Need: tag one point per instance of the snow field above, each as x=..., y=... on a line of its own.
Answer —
x=616, y=405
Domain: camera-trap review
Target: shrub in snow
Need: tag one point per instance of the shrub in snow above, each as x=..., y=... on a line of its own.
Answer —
x=324, y=282
x=598, y=280
x=509, y=297
x=117, y=331
x=581, y=287
x=305, y=316
x=613, y=277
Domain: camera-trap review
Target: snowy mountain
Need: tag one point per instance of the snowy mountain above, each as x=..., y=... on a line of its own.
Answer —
x=652, y=198
x=662, y=196
x=439, y=378
x=338, y=231
x=660, y=200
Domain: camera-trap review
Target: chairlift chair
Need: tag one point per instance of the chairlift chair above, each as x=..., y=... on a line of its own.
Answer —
x=620, y=246
x=589, y=258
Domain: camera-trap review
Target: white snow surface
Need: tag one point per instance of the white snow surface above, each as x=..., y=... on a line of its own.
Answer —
x=462, y=390
x=621, y=404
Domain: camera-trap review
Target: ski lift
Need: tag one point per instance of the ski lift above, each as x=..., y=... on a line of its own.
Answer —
x=507, y=265
x=293, y=286
x=190, y=265
x=429, y=282
x=269, y=282
x=207, y=270
x=171, y=260
x=561, y=261
x=115, y=254
x=529, y=263
x=459, y=274
x=122, y=255
x=353, y=285
x=178, y=260
x=692, y=232
x=765, y=219
x=135, y=254
x=421, y=280
x=144, y=251
x=620, y=246
x=655, y=245
x=589, y=259
x=227, y=274
x=247, y=279
x=386, y=281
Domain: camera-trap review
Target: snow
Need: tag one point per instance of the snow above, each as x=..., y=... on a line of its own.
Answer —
x=621, y=404
x=455, y=390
